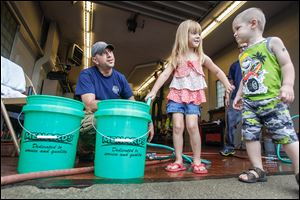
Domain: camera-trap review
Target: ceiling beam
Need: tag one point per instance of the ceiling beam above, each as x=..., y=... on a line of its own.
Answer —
x=137, y=10
x=188, y=3
x=141, y=5
x=179, y=8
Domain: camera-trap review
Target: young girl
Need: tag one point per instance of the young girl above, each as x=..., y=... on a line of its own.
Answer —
x=187, y=90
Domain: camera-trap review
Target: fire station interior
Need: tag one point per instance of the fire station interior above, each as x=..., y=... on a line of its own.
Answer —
x=51, y=41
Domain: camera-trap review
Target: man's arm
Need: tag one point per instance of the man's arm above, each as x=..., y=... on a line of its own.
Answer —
x=90, y=102
x=131, y=98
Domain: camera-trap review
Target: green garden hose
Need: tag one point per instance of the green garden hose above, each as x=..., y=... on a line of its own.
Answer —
x=185, y=157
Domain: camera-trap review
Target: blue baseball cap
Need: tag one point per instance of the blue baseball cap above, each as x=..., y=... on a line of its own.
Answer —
x=99, y=47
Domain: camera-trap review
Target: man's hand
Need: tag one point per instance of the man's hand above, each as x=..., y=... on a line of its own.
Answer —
x=227, y=99
x=86, y=123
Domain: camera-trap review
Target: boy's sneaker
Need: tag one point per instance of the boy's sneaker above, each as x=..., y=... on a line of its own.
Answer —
x=227, y=152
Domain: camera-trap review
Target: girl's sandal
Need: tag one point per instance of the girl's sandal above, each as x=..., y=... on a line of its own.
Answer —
x=199, y=169
x=179, y=167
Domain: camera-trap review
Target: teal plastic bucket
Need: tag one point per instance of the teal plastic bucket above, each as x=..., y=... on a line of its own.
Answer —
x=121, y=139
x=50, y=133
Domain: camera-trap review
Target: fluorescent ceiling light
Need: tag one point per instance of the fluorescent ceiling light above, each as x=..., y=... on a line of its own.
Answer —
x=88, y=6
x=153, y=76
x=222, y=17
x=87, y=21
x=87, y=37
x=208, y=29
x=226, y=13
x=146, y=83
x=88, y=52
x=87, y=26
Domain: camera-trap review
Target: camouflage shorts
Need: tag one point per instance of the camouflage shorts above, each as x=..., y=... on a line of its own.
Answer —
x=274, y=115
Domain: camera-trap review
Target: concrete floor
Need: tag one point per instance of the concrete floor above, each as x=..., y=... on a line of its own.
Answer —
x=277, y=187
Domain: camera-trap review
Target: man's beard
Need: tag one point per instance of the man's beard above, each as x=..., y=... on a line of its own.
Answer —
x=108, y=66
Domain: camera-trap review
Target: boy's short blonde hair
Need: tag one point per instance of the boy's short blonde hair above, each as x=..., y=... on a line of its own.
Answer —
x=253, y=13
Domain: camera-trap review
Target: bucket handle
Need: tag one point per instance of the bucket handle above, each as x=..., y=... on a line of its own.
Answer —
x=119, y=139
x=149, y=101
x=44, y=136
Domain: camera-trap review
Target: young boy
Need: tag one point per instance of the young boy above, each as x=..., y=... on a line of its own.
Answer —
x=265, y=91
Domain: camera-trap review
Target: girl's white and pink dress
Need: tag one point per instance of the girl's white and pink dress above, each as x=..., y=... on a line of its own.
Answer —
x=188, y=84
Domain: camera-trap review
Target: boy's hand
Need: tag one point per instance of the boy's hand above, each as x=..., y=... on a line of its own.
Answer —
x=287, y=94
x=237, y=103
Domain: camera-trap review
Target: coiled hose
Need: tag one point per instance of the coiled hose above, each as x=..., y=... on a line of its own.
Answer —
x=186, y=158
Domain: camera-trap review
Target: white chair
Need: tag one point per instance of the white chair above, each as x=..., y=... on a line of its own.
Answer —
x=14, y=83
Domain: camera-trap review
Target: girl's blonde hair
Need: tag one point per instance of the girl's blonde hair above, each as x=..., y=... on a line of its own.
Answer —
x=180, y=46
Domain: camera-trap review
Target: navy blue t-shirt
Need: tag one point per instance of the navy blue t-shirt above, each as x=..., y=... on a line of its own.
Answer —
x=114, y=86
x=235, y=74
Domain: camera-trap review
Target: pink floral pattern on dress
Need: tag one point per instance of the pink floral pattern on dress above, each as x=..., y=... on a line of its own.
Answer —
x=188, y=84
x=187, y=96
x=186, y=69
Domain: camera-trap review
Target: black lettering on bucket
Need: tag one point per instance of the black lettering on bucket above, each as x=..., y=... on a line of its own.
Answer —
x=110, y=140
x=32, y=136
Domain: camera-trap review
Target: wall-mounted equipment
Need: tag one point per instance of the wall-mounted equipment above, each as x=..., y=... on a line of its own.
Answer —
x=75, y=54
x=132, y=23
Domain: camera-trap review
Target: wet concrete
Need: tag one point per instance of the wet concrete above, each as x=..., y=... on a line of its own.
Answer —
x=277, y=187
